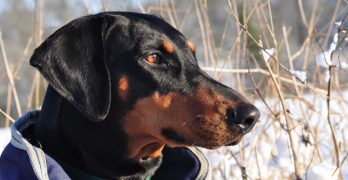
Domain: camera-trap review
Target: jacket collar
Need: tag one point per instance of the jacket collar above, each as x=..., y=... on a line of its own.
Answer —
x=36, y=155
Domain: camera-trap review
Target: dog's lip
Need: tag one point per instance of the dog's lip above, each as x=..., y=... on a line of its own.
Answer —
x=235, y=142
x=173, y=136
x=238, y=139
x=154, y=148
x=170, y=142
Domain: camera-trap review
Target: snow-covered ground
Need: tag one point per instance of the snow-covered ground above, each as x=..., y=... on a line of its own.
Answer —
x=266, y=152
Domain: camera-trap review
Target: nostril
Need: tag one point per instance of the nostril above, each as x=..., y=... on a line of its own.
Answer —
x=245, y=116
x=249, y=124
x=231, y=115
x=251, y=117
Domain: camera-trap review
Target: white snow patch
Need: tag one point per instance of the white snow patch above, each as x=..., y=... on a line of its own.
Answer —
x=326, y=75
x=344, y=65
x=330, y=57
x=338, y=24
x=267, y=53
x=321, y=171
x=5, y=137
x=324, y=59
x=302, y=75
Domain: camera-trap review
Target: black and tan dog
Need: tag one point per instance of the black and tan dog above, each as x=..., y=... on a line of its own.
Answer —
x=124, y=85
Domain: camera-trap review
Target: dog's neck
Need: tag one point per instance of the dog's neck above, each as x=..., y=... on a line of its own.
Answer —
x=68, y=136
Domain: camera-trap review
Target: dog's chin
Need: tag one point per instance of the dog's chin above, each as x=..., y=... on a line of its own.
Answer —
x=235, y=142
x=213, y=146
x=150, y=163
x=149, y=166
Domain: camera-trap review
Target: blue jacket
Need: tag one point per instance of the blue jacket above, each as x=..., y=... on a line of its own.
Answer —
x=23, y=161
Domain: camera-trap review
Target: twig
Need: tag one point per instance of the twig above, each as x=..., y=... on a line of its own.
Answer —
x=187, y=11
x=208, y=31
x=264, y=72
x=303, y=16
x=141, y=7
x=328, y=99
x=170, y=14
x=287, y=119
x=203, y=34
x=341, y=164
x=263, y=49
x=333, y=134
x=257, y=163
x=39, y=9
x=333, y=18
x=87, y=6
x=8, y=105
x=258, y=91
x=10, y=76
x=7, y=116
x=242, y=168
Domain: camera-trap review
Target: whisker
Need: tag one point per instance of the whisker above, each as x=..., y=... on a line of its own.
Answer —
x=199, y=116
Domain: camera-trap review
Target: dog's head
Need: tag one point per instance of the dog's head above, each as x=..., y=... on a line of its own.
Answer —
x=142, y=69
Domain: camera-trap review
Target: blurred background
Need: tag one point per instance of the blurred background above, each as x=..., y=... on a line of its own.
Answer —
x=288, y=57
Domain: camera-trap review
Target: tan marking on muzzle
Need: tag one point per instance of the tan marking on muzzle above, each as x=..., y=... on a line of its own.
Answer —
x=199, y=117
x=163, y=101
x=143, y=125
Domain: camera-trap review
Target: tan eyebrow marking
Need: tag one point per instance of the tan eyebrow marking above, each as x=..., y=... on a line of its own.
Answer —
x=168, y=46
x=191, y=45
x=123, y=87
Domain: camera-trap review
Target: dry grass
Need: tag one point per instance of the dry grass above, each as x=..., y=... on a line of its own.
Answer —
x=289, y=104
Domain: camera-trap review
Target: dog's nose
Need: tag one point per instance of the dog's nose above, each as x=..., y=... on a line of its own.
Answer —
x=245, y=116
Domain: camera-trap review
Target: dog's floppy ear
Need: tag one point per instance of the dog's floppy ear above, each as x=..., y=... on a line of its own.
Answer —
x=72, y=61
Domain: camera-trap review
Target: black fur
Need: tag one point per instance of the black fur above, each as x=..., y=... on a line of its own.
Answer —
x=82, y=61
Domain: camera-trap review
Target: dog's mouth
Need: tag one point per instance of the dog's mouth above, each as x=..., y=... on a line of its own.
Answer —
x=173, y=135
x=175, y=138
x=153, y=149
x=175, y=120
x=172, y=138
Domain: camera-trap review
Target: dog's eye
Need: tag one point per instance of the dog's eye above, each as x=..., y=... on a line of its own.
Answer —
x=153, y=58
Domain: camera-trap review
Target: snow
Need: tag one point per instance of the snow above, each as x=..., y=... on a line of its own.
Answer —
x=338, y=23
x=5, y=136
x=326, y=58
x=321, y=171
x=302, y=75
x=332, y=57
x=267, y=53
x=266, y=152
x=344, y=65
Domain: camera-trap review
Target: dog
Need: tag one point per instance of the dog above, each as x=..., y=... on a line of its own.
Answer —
x=123, y=87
